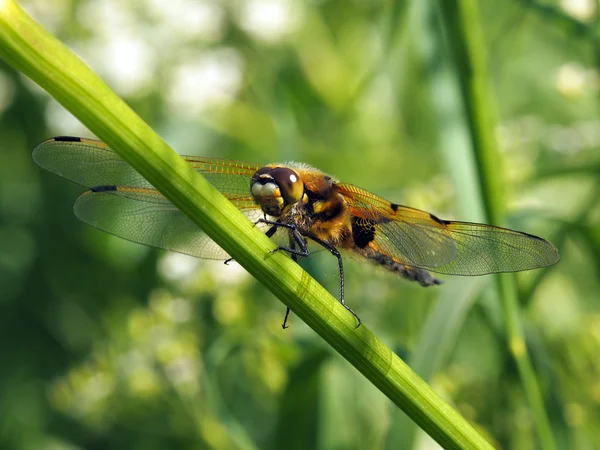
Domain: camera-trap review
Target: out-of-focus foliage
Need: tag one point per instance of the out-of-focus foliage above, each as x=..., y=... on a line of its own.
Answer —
x=106, y=344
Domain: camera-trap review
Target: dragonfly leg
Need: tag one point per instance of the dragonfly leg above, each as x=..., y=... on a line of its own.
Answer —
x=295, y=238
x=276, y=224
x=284, y=325
x=270, y=232
x=334, y=251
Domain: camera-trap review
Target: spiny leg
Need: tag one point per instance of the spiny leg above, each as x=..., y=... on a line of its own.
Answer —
x=304, y=252
x=334, y=251
x=294, y=238
x=270, y=232
x=293, y=232
x=294, y=257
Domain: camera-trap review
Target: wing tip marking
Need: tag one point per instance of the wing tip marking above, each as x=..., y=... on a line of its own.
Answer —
x=66, y=139
x=108, y=188
x=437, y=219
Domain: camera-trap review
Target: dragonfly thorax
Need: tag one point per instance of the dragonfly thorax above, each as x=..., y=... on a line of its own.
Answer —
x=274, y=188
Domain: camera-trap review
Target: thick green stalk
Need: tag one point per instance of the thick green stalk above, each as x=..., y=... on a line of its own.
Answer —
x=467, y=46
x=27, y=47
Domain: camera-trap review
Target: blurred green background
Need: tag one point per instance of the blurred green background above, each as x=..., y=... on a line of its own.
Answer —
x=107, y=344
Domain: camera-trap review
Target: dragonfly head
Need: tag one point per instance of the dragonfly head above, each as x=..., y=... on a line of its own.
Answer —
x=274, y=188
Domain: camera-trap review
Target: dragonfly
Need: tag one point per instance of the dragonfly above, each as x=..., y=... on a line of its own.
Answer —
x=299, y=207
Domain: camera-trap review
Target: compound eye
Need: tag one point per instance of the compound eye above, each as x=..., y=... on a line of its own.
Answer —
x=290, y=185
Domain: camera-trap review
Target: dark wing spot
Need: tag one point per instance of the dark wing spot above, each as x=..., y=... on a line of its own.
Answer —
x=67, y=139
x=394, y=207
x=104, y=188
x=437, y=219
x=363, y=231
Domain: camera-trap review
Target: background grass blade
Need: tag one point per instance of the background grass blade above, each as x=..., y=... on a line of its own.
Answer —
x=465, y=39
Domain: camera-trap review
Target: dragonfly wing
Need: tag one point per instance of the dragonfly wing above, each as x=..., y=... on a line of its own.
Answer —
x=123, y=203
x=87, y=162
x=484, y=249
x=417, y=238
x=410, y=236
x=92, y=163
x=135, y=215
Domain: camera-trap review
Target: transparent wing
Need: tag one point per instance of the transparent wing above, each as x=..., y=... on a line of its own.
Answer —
x=135, y=215
x=92, y=163
x=123, y=203
x=483, y=249
x=417, y=238
x=411, y=236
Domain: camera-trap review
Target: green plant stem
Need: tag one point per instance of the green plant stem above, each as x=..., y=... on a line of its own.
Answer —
x=467, y=46
x=27, y=47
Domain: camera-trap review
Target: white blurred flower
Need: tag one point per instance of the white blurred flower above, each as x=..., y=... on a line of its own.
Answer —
x=127, y=63
x=570, y=80
x=576, y=137
x=108, y=18
x=231, y=273
x=212, y=79
x=583, y=10
x=192, y=19
x=176, y=266
x=118, y=51
x=270, y=20
x=563, y=139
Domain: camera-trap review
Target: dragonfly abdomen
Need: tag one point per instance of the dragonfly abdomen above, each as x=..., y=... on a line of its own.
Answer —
x=421, y=276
